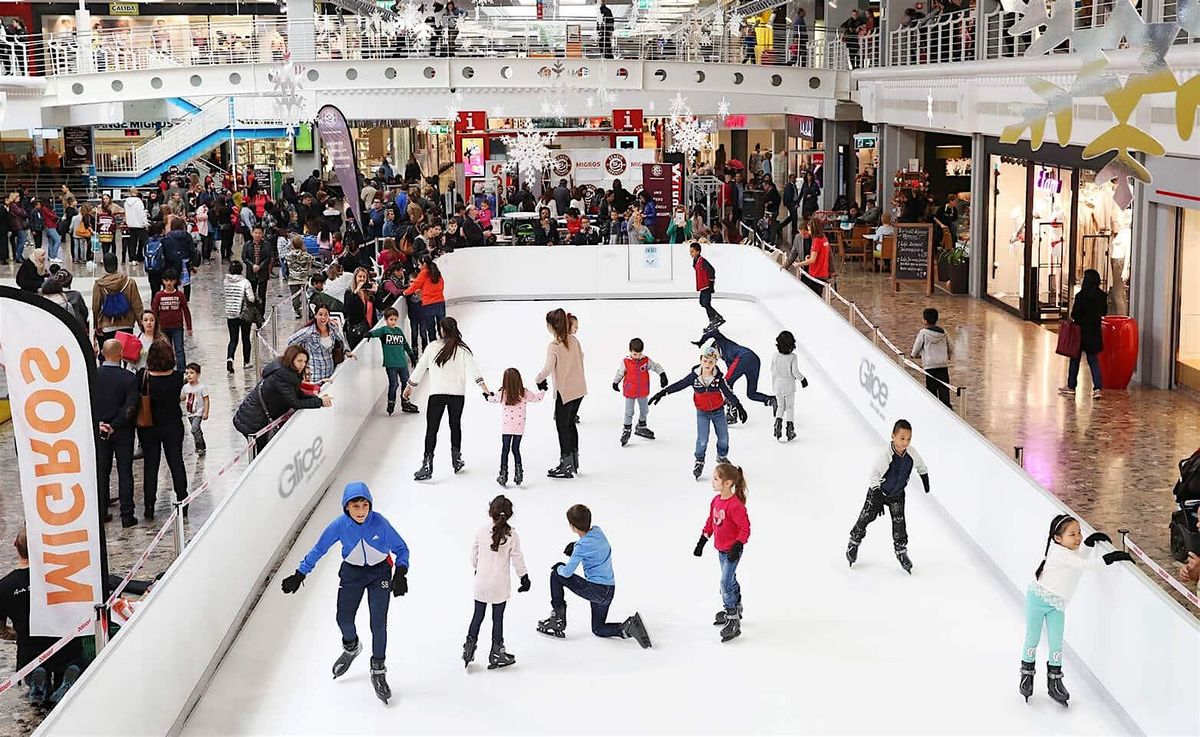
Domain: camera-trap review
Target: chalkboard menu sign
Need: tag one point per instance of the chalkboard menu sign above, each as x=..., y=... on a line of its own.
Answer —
x=914, y=255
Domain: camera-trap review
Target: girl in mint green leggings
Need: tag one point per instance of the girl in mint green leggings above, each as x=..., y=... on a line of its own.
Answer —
x=1047, y=596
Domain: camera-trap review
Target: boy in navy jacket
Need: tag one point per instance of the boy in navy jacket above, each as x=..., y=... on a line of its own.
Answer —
x=597, y=584
x=710, y=393
x=889, y=477
x=369, y=544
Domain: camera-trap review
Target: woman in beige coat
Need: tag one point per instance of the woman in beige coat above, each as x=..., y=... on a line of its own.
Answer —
x=496, y=547
x=564, y=361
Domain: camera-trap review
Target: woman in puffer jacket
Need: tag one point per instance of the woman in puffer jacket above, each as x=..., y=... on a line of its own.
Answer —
x=277, y=393
x=237, y=290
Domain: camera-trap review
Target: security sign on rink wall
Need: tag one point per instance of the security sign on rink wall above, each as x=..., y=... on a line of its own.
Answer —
x=49, y=367
x=599, y=166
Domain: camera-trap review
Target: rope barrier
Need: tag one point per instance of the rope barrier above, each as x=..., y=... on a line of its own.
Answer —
x=1171, y=581
x=15, y=678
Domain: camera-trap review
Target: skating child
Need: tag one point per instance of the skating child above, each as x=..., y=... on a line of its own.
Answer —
x=496, y=547
x=597, y=584
x=729, y=527
x=194, y=396
x=1046, y=599
x=706, y=280
x=513, y=396
x=633, y=380
x=889, y=477
x=710, y=394
x=369, y=543
x=785, y=370
x=396, y=355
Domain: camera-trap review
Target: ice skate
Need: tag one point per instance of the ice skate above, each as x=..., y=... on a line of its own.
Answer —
x=555, y=625
x=469, y=650
x=778, y=428
x=791, y=431
x=720, y=617
x=643, y=432
x=518, y=474
x=391, y=407
x=625, y=433
x=575, y=462
x=498, y=658
x=426, y=470
x=905, y=561
x=723, y=459
x=715, y=323
x=502, y=479
x=635, y=628
x=408, y=407
x=349, y=653
x=1028, y=671
x=456, y=459
x=731, y=416
x=1054, y=684
x=563, y=470
x=733, y=625
x=379, y=680
x=698, y=468
x=852, y=552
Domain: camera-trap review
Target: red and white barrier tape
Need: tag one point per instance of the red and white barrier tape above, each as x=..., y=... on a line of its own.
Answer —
x=1162, y=573
x=15, y=678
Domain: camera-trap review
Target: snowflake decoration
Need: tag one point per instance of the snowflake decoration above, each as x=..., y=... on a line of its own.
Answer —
x=735, y=24
x=723, y=109
x=679, y=106
x=424, y=125
x=411, y=22
x=689, y=134
x=529, y=152
x=453, y=106
x=285, y=78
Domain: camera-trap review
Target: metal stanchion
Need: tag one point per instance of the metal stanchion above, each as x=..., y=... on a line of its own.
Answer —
x=962, y=402
x=100, y=631
x=177, y=536
x=875, y=335
x=1019, y=455
x=850, y=311
x=1124, y=532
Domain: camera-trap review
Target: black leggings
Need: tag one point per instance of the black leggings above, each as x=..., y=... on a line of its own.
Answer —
x=564, y=419
x=433, y=420
x=159, y=441
x=236, y=327
x=497, y=620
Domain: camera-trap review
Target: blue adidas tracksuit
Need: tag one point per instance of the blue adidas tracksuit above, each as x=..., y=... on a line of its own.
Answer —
x=367, y=551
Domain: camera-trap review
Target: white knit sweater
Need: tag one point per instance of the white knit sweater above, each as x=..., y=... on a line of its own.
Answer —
x=449, y=378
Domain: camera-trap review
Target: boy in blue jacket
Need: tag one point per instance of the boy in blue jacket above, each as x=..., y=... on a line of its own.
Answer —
x=597, y=584
x=369, y=543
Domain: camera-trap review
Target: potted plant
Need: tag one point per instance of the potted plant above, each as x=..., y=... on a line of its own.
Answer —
x=957, y=268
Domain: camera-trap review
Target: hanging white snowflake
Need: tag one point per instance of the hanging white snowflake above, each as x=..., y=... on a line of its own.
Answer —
x=411, y=22
x=529, y=152
x=285, y=78
x=679, y=106
x=735, y=24
x=689, y=134
x=723, y=109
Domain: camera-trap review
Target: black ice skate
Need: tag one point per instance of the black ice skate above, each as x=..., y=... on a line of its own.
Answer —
x=469, y=650
x=1054, y=684
x=715, y=323
x=625, y=433
x=852, y=552
x=731, y=416
x=905, y=561
x=723, y=459
x=563, y=470
x=456, y=459
x=408, y=407
x=379, y=680
x=349, y=653
x=518, y=474
x=778, y=428
x=791, y=432
x=698, y=468
x=643, y=432
x=498, y=658
x=1028, y=671
x=575, y=462
x=720, y=618
x=733, y=625
x=391, y=407
x=426, y=470
x=635, y=628
x=502, y=479
x=555, y=625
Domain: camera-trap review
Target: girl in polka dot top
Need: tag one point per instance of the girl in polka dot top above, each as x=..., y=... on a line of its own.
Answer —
x=512, y=398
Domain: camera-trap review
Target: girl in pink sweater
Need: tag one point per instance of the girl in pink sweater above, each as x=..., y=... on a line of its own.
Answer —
x=729, y=527
x=513, y=397
x=496, y=547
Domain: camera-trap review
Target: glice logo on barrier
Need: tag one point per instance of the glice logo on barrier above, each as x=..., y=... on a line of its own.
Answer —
x=875, y=387
x=301, y=468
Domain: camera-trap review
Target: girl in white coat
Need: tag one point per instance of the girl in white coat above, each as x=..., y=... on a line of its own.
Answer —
x=495, y=547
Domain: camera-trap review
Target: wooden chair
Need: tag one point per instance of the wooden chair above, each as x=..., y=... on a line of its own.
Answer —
x=887, y=251
x=856, y=248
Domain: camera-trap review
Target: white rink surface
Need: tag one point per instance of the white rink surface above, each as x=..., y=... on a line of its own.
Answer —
x=824, y=650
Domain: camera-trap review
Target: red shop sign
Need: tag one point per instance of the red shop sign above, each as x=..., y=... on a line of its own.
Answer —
x=627, y=120
x=470, y=121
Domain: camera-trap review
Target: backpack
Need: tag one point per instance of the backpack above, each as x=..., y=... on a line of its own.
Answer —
x=154, y=255
x=115, y=304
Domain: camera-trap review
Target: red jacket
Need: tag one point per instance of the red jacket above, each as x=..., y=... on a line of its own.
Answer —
x=706, y=275
x=637, y=378
x=727, y=523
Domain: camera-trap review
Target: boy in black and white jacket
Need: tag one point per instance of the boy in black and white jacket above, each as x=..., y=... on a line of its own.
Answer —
x=888, y=479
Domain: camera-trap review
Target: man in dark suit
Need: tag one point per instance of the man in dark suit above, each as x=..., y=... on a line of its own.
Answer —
x=258, y=255
x=116, y=408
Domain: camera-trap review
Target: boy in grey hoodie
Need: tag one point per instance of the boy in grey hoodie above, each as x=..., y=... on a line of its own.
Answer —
x=933, y=347
x=785, y=371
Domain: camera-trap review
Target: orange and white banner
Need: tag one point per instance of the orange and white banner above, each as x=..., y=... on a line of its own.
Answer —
x=48, y=365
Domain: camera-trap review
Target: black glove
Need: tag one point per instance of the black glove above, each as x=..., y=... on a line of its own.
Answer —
x=400, y=581
x=662, y=380
x=487, y=395
x=291, y=584
x=543, y=385
x=735, y=553
x=1116, y=555
x=524, y=584
x=1097, y=537
x=925, y=481
x=700, y=546
x=657, y=397
x=741, y=413
x=554, y=568
x=569, y=550
x=804, y=383
x=616, y=387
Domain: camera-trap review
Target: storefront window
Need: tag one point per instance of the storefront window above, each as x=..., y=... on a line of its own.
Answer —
x=1187, y=357
x=1006, y=272
x=1052, y=186
x=1104, y=240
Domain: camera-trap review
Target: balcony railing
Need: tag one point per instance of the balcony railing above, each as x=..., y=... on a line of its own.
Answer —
x=940, y=39
x=213, y=116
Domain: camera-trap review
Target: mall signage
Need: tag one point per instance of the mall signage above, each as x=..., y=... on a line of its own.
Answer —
x=470, y=121
x=627, y=119
x=599, y=166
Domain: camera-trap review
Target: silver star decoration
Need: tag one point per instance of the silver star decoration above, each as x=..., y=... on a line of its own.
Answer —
x=1059, y=23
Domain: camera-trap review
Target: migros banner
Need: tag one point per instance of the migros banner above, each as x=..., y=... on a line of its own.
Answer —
x=48, y=366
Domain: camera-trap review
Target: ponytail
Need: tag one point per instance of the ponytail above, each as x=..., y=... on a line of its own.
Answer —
x=501, y=511
x=1056, y=524
x=560, y=324
x=435, y=274
x=730, y=472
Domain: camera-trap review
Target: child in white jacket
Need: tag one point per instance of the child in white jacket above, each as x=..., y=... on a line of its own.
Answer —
x=785, y=370
x=494, y=549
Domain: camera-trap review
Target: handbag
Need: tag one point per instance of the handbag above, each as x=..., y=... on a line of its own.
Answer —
x=1070, y=340
x=249, y=314
x=145, y=415
x=131, y=347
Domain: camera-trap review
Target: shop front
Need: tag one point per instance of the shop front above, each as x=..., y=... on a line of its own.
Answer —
x=1048, y=221
x=805, y=146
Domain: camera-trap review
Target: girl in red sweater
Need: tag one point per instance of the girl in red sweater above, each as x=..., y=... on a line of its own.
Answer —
x=729, y=526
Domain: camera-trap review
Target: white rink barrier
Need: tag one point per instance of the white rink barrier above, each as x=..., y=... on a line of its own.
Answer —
x=1139, y=643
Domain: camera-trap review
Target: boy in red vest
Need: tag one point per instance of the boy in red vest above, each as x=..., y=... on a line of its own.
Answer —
x=633, y=380
x=706, y=281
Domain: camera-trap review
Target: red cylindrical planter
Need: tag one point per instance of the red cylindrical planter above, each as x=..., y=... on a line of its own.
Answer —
x=1119, y=356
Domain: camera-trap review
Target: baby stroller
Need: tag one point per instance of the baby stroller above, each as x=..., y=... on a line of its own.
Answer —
x=1184, y=537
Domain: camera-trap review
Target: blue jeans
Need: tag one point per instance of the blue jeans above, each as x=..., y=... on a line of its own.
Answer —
x=397, y=379
x=175, y=335
x=717, y=418
x=1093, y=360
x=598, y=594
x=53, y=242
x=19, y=239
x=375, y=581
x=432, y=315
x=731, y=590
x=642, y=409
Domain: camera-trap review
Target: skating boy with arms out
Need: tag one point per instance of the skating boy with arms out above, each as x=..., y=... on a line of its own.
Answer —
x=889, y=477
